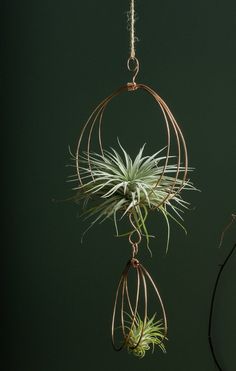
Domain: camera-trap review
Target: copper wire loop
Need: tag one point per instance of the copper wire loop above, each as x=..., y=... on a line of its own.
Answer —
x=135, y=62
x=133, y=68
x=139, y=237
x=131, y=241
x=173, y=134
x=122, y=296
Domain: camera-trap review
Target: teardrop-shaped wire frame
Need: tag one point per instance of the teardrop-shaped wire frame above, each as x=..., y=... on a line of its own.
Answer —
x=172, y=129
x=122, y=289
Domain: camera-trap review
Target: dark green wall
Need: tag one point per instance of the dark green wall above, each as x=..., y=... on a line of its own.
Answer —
x=60, y=58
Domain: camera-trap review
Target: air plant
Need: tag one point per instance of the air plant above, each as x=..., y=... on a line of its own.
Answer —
x=121, y=186
x=144, y=335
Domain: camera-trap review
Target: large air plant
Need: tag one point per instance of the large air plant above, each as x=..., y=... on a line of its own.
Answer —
x=120, y=186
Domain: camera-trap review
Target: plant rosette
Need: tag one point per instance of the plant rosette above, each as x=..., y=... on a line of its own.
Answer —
x=143, y=335
x=119, y=186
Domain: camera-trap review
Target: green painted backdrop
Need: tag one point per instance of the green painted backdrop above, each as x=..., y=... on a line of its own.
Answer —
x=60, y=58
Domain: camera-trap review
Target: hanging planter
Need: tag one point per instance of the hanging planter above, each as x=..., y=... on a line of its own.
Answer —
x=113, y=185
x=120, y=186
x=139, y=334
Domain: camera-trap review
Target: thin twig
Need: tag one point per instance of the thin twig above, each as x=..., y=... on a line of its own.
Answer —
x=233, y=219
x=222, y=266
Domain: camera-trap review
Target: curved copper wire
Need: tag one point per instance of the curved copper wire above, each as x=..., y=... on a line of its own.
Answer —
x=172, y=131
x=123, y=284
x=133, y=243
x=123, y=292
x=134, y=68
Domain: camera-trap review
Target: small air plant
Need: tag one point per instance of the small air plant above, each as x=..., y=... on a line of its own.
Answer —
x=144, y=335
x=121, y=186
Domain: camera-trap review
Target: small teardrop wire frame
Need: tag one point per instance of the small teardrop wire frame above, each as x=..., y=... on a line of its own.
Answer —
x=139, y=306
x=173, y=135
x=139, y=309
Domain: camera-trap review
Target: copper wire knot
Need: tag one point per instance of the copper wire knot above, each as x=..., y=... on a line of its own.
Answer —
x=132, y=86
x=134, y=262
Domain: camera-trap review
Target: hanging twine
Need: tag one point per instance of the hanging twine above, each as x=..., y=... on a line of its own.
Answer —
x=132, y=29
x=132, y=63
